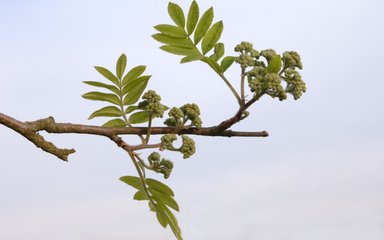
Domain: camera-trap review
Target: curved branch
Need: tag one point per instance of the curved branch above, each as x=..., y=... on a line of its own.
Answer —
x=30, y=131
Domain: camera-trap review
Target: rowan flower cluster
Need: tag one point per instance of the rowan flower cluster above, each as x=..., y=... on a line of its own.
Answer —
x=152, y=104
x=178, y=117
x=163, y=166
x=269, y=71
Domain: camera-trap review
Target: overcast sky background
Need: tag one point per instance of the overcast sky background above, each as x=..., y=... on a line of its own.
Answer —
x=318, y=176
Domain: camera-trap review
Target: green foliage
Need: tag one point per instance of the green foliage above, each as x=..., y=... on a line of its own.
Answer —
x=178, y=38
x=160, y=198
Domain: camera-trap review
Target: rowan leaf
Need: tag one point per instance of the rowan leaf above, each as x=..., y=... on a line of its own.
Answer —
x=213, y=64
x=193, y=17
x=164, y=199
x=170, y=30
x=212, y=36
x=178, y=50
x=177, y=14
x=203, y=25
x=115, y=123
x=98, y=96
x=120, y=66
x=180, y=42
x=139, y=117
x=159, y=186
x=103, y=85
x=108, y=75
x=140, y=195
x=133, y=74
x=218, y=52
x=134, y=89
x=109, y=111
x=133, y=181
x=226, y=63
x=192, y=57
x=274, y=65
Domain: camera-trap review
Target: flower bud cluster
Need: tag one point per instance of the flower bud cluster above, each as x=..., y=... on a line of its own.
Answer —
x=167, y=141
x=247, y=54
x=261, y=81
x=179, y=116
x=163, y=166
x=188, y=147
x=295, y=85
x=292, y=60
x=265, y=79
x=152, y=104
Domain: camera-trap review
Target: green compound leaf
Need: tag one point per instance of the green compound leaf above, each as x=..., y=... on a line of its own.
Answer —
x=177, y=14
x=170, y=30
x=98, y=96
x=120, y=66
x=180, y=42
x=115, y=123
x=132, y=181
x=140, y=195
x=218, y=52
x=193, y=17
x=226, y=63
x=179, y=50
x=212, y=36
x=133, y=74
x=203, y=25
x=109, y=111
x=164, y=199
x=139, y=117
x=274, y=65
x=103, y=85
x=159, y=186
x=134, y=89
x=108, y=75
x=172, y=221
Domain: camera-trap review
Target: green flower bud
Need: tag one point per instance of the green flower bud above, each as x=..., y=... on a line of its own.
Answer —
x=154, y=157
x=188, y=147
x=167, y=141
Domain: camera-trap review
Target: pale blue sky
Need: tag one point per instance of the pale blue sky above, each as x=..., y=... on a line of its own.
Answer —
x=318, y=176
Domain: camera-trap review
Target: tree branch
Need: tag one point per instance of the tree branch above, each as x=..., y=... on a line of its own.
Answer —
x=30, y=131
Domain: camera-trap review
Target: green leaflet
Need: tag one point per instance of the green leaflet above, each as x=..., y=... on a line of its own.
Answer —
x=109, y=111
x=177, y=14
x=108, y=75
x=212, y=36
x=162, y=218
x=130, y=109
x=114, y=123
x=140, y=195
x=134, y=89
x=274, y=65
x=120, y=66
x=133, y=74
x=218, y=52
x=203, y=25
x=139, y=117
x=192, y=57
x=226, y=63
x=193, y=17
x=179, y=50
x=180, y=42
x=172, y=221
x=103, y=85
x=164, y=199
x=98, y=96
x=171, y=30
x=159, y=186
x=133, y=182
